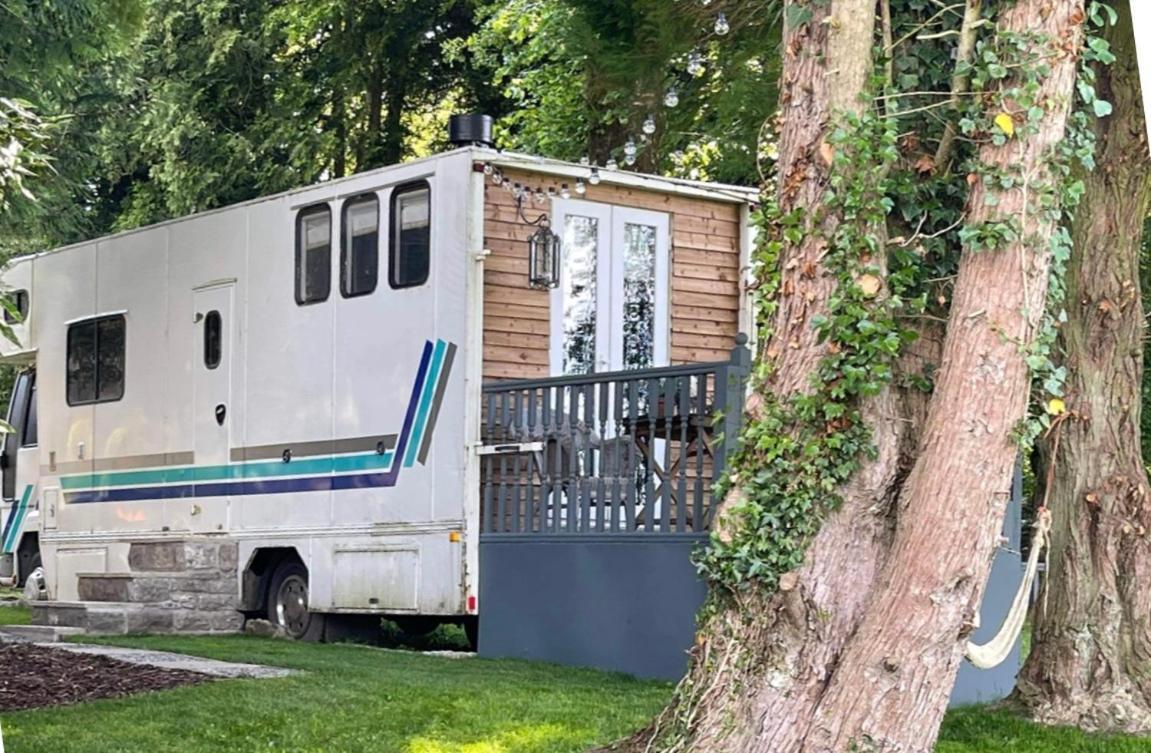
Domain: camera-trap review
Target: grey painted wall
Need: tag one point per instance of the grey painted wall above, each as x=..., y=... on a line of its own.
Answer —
x=628, y=603
x=613, y=602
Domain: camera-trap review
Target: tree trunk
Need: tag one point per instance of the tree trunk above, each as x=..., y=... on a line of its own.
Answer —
x=1090, y=664
x=891, y=687
x=760, y=661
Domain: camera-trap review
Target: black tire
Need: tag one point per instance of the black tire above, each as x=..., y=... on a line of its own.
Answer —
x=28, y=568
x=288, y=603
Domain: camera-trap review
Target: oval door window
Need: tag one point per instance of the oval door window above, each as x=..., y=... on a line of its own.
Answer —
x=213, y=339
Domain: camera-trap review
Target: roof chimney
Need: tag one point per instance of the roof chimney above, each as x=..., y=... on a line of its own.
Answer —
x=470, y=130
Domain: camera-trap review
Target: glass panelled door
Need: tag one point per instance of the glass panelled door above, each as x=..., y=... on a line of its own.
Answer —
x=610, y=310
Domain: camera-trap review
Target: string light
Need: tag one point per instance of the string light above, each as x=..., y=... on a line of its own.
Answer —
x=695, y=64
x=722, y=27
x=594, y=178
x=671, y=99
x=649, y=125
x=581, y=188
x=565, y=192
x=612, y=164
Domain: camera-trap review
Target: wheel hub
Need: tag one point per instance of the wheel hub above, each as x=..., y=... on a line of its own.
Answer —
x=292, y=606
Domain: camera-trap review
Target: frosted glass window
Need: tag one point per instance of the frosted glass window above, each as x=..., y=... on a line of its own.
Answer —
x=580, y=241
x=639, y=296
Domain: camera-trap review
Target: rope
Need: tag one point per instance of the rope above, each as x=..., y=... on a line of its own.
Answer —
x=995, y=652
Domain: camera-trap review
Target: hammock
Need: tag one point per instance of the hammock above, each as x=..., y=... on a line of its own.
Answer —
x=995, y=651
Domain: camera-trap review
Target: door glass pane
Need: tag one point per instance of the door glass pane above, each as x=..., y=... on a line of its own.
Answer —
x=213, y=339
x=639, y=296
x=581, y=235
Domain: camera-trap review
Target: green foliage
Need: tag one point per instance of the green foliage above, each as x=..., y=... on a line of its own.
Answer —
x=799, y=451
x=23, y=138
x=581, y=77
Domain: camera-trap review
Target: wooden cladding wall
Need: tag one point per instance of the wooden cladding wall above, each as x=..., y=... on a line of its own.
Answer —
x=705, y=276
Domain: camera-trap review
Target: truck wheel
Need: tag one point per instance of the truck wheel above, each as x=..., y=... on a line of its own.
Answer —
x=288, y=603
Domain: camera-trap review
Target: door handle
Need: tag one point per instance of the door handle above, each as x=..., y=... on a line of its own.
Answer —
x=221, y=413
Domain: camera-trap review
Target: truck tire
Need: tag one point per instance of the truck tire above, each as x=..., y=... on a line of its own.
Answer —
x=288, y=603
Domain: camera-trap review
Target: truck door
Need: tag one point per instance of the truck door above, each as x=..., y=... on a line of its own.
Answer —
x=212, y=409
x=20, y=460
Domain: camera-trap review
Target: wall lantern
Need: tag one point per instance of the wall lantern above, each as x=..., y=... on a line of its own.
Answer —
x=544, y=258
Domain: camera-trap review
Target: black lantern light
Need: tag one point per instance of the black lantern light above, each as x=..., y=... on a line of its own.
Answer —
x=544, y=258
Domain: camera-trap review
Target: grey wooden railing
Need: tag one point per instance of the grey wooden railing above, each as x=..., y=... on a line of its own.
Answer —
x=627, y=452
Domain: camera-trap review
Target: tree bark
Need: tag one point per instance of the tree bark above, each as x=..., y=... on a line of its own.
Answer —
x=1090, y=664
x=759, y=663
x=858, y=649
x=890, y=690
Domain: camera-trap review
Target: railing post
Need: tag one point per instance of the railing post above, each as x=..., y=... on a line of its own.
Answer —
x=731, y=391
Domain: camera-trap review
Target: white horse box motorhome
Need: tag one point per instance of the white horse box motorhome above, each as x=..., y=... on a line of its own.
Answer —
x=282, y=407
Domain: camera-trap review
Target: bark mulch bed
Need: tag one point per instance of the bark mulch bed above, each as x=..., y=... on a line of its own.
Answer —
x=34, y=677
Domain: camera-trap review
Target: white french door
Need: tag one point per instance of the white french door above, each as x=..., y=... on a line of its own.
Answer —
x=610, y=310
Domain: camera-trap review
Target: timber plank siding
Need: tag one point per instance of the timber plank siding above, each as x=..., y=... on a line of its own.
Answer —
x=704, y=276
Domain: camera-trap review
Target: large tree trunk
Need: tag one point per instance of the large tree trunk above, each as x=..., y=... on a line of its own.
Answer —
x=761, y=659
x=891, y=687
x=858, y=649
x=1090, y=664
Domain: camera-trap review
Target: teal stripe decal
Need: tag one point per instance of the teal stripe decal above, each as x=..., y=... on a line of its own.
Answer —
x=425, y=404
x=20, y=512
x=236, y=471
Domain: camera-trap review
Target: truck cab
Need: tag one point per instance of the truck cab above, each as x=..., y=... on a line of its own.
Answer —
x=19, y=470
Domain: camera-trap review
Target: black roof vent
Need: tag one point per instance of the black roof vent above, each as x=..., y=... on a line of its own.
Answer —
x=470, y=130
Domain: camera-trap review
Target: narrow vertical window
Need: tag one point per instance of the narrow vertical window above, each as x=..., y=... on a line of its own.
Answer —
x=313, y=254
x=410, y=246
x=360, y=249
x=16, y=308
x=213, y=339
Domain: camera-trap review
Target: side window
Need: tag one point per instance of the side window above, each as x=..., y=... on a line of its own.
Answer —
x=410, y=243
x=96, y=361
x=360, y=249
x=313, y=254
x=31, y=436
x=17, y=309
x=213, y=339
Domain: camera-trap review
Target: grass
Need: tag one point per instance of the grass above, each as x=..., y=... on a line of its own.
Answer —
x=13, y=614
x=351, y=698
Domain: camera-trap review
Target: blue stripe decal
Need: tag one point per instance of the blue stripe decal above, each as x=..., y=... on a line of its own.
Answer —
x=426, y=403
x=313, y=483
x=15, y=519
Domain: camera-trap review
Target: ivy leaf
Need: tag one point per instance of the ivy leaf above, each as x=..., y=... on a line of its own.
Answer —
x=1102, y=108
x=1056, y=407
x=1006, y=123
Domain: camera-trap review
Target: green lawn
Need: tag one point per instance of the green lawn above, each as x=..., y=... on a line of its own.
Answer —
x=360, y=699
x=11, y=614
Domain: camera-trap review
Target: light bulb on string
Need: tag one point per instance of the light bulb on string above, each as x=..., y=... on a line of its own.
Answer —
x=488, y=169
x=629, y=159
x=649, y=125
x=671, y=99
x=612, y=164
x=722, y=27
x=630, y=149
x=695, y=64
x=581, y=187
x=594, y=178
x=584, y=161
